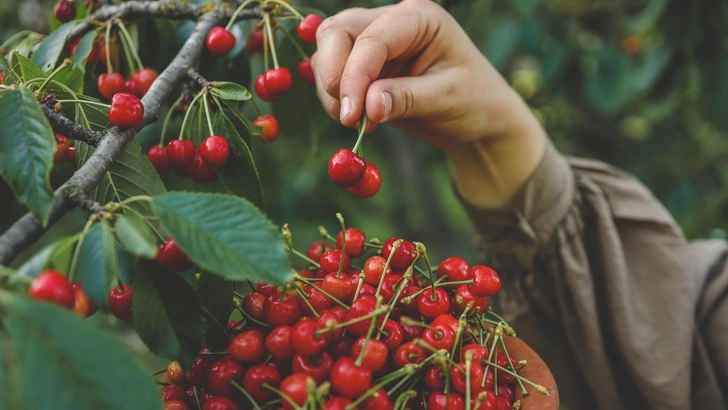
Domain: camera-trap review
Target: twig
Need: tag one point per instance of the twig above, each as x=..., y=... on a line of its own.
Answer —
x=80, y=198
x=63, y=125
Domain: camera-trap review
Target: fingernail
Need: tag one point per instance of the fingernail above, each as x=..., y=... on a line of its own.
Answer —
x=386, y=105
x=345, y=108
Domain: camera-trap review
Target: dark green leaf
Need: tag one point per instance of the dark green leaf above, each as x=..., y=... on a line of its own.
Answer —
x=135, y=235
x=46, y=56
x=98, y=263
x=60, y=258
x=25, y=68
x=225, y=235
x=238, y=174
x=230, y=91
x=167, y=313
x=216, y=296
x=26, y=150
x=607, y=83
x=84, y=49
x=78, y=366
x=97, y=117
x=131, y=175
x=246, y=129
x=71, y=77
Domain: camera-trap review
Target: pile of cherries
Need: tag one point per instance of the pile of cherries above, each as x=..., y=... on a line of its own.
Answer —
x=367, y=327
x=187, y=160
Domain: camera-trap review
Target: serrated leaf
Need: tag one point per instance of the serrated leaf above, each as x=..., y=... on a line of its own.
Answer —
x=239, y=174
x=98, y=263
x=79, y=366
x=230, y=91
x=25, y=68
x=83, y=49
x=216, y=296
x=135, y=235
x=131, y=175
x=167, y=313
x=246, y=129
x=46, y=56
x=26, y=150
x=225, y=235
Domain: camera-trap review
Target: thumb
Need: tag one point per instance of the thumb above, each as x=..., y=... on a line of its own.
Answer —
x=406, y=97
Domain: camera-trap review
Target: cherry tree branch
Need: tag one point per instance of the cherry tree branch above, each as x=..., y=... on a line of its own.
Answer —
x=63, y=125
x=28, y=228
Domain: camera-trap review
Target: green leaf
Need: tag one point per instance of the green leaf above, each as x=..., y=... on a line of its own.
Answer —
x=216, y=296
x=98, y=263
x=230, y=91
x=98, y=118
x=72, y=78
x=46, y=56
x=83, y=49
x=608, y=84
x=246, y=129
x=60, y=257
x=225, y=235
x=238, y=174
x=135, y=235
x=167, y=313
x=131, y=175
x=26, y=150
x=79, y=366
x=25, y=68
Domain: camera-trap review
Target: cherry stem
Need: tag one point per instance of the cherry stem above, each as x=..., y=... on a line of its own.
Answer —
x=289, y=7
x=295, y=43
x=247, y=395
x=306, y=258
x=327, y=294
x=468, y=364
x=256, y=105
x=368, y=337
x=206, y=104
x=490, y=356
x=358, y=288
x=393, y=302
x=252, y=319
x=66, y=63
x=395, y=247
x=524, y=392
x=187, y=115
x=412, y=297
x=269, y=30
x=77, y=249
x=422, y=250
x=343, y=244
x=167, y=118
x=109, y=67
x=266, y=46
x=407, y=372
x=538, y=387
x=98, y=104
x=237, y=13
x=377, y=311
x=197, y=398
x=362, y=129
x=280, y=393
x=133, y=49
x=305, y=297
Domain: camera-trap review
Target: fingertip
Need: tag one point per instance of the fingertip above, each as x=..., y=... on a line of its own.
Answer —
x=379, y=104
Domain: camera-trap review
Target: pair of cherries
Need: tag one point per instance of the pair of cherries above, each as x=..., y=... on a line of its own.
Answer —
x=65, y=150
x=273, y=83
x=138, y=83
x=255, y=44
x=182, y=155
x=54, y=287
x=351, y=171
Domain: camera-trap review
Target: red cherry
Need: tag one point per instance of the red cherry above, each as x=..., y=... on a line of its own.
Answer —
x=52, y=286
x=262, y=90
x=410, y=332
x=126, y=111
x=503, y=403
x=448, y=320
x=177, y=375
x=82, y=304
x=441, y=401
x=65, y=11
x=456, y=268
x=375, y=356
x=281, y=310
x=339, y=287
x=479, y=352
x=409, y=353
x=506, y=391
x=502, y=361
x=485, y=281
x=306, y=72
x=378, y=401
x=158, y=157
x=346, y=168
x=266, y=288
x=256, y=377
x=131, y=88
x=271, y=129
x=62, y=144
x=359, y=308
x=181, y=153
x=439, y=336
x=110, y=84
x=403, y=256
x=354, y=242
x=2, y=74
x=220, y=41
x=71, y=154
x=337, y=403
x=348, y=379
x=369, y=183
x=173, y=392
x=171, y=255
x=202, y=394
x=331, y=260
x=434, y=378
x=120, y=302
x=253, y=305
x=316, y=299
x=279, y=343
x=247, y=346
x=318, y=367
x=220, y=375
x=485, y=400
x=198, y=371
x=374, y=268
x=394, y=335
x=431, y=306
x=458, y=379
x=220, y=403
x=144, y=80
x=329, y=318
x=308, y=26
x=278, y=80
x=463, y=297
x=295, y=388
x=304, y=339
x=202, y=172
x=317, y=249
x=176, y=405
x=255, y=41
x=214, y=150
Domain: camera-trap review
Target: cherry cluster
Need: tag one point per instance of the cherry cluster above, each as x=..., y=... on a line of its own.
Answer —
x=187, y=160
x=366, y=327
x=65, y=150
